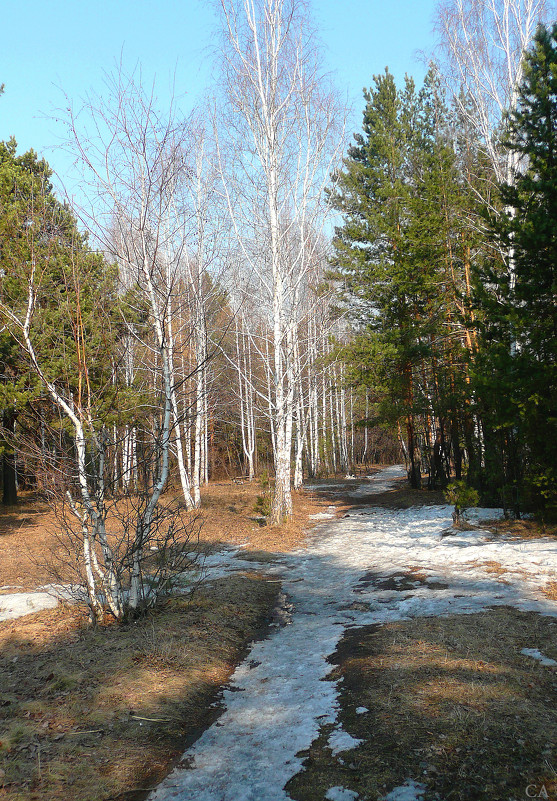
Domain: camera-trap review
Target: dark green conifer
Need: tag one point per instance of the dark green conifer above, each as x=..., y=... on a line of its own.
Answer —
x=521, y=362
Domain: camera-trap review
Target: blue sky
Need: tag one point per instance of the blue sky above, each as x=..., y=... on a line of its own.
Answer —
x=63, y=46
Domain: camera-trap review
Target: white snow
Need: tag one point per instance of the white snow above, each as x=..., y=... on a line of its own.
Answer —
x=340, y=794
x=409, y=791
x=278, y=700
x=17, y=604
x=535, y=654
x=340, y=740
x=361, y=710
x=326, y=515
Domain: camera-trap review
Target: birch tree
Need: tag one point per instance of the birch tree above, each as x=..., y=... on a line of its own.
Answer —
x=134, y=161
x=482, y=45
x=59, y=302
x=281, y=123
x=203, y=260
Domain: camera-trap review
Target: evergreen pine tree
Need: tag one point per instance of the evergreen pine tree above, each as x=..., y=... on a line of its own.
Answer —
x=74, y=320
x=400, y=255
x=521, y=361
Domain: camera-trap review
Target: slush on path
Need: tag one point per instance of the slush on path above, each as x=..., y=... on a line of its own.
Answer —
x=278, y=699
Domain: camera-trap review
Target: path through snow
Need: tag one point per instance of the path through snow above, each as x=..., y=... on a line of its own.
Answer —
x=346, y=576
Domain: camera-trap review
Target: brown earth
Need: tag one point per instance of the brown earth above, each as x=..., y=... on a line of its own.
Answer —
x=103, y=714
x=449, y=702
x=94, y=715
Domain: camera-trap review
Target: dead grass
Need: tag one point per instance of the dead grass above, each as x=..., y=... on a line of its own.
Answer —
x=24, y=535
x=91, y=714
x=28, y=541
x=229, y=516
x=451, y=703
x=550, y=590
x=520, y=529
x=97, y=714
x=492, y=567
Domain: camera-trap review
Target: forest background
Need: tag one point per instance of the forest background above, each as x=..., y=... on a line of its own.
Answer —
x=192, y=314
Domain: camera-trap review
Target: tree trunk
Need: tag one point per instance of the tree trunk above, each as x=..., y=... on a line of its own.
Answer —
x=9, y=476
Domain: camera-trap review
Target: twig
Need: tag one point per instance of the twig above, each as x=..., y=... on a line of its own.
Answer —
x=92, y=731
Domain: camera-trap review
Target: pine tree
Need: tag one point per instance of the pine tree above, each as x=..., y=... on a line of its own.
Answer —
x=75, y=299
x=401, y=257
x=371, y=248
x=520, y=376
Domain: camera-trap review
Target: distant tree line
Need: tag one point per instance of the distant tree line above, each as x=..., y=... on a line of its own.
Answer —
x=447, y=263
x=192, y=318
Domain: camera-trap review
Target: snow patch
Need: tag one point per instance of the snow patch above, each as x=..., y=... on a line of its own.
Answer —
x=340, y=740
x=409, y=791
x=361, y=710
x=329, y=514
x=535, y=654
x=18, y=604
x=276, y=709
x=340, y=794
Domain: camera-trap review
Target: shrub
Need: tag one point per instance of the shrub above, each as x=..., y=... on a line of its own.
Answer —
x=462, y=496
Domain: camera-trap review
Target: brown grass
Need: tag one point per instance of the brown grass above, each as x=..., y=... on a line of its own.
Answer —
x=28, y=540
x=520, y=529
x=229, y=516
x=89, y=714
x=97, y=714
x=550, y=590
x=451, y=703
x=493, y=567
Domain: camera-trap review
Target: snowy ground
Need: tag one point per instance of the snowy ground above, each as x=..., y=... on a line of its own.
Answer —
x=18, y=604
x=347, y=576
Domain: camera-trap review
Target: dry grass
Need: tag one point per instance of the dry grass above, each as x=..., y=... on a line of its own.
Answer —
x=520, y=529
x=451, y=703
x=229, y=516
x=550, y=590
x=97, y=714
x=24, y=537
x=90, y=714
x=28, y=540
x=492, y=567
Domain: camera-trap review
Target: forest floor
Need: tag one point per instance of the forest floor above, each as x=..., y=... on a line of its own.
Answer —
x=430, y=672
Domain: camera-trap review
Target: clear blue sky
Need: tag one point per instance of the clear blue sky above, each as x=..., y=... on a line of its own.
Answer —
x=63, y=46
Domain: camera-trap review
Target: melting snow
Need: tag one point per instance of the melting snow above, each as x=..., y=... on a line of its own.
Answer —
x=340, y=794
x=340, y=740
x=327, y=515
x=275, y=710
x=17, y=604
x=409, y=791
x=535, y=654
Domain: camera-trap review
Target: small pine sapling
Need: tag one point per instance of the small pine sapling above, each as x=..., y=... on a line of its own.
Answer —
x=463, y=497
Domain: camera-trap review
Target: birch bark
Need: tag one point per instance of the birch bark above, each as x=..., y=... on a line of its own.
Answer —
x=282, y=122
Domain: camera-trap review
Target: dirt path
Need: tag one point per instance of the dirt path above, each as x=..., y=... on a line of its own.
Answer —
x=374, y=566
